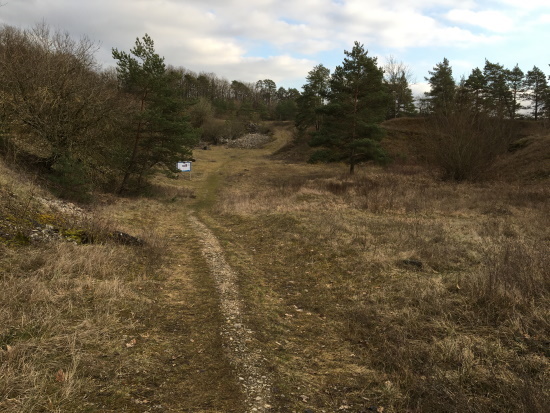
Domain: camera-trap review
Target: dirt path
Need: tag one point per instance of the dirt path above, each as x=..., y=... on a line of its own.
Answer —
x=247, y=360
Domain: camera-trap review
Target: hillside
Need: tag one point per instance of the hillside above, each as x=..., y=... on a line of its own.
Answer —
x=528, y=157
x=265, y=284
x=526, y=160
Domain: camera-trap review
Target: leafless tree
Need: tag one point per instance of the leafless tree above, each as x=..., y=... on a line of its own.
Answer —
x=53, y=95
x=398, y=77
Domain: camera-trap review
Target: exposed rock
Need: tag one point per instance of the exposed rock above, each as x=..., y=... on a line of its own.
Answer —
x=250, y=141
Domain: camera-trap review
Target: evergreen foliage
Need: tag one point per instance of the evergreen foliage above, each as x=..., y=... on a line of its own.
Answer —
x=475, y=86
x=315, y=91
x=443, y=88
x=536, y=91
x=499, y=98
x=516, y=82
x=397, y=76
x=357, y=102
x=159, y=134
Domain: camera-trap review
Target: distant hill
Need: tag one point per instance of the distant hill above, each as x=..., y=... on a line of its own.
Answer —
x=527, y=159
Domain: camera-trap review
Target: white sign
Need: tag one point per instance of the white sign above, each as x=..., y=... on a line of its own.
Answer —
x=184, y=166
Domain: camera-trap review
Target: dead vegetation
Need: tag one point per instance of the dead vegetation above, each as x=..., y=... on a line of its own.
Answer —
x=105, y=325
x=393, y=290
x=67, y=312
x=386, y=291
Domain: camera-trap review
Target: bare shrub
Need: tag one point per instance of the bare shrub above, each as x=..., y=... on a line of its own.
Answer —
x=464, y=143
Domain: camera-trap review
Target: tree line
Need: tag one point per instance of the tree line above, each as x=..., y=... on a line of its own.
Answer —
x=495, y=90
x=85, y=127
x=466, y=121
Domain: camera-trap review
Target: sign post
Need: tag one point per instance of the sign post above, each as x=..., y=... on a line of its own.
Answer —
x=184, y=166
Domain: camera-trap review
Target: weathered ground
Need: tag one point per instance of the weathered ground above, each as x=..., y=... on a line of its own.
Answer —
x=265, y=286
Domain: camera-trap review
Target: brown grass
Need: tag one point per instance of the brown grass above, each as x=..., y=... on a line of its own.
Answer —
x=63, y=306
x=65, y=309
x=391, y=289
x=387, y=291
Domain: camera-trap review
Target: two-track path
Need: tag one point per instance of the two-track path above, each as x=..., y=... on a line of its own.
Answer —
x=238, y=340
x=247, y=361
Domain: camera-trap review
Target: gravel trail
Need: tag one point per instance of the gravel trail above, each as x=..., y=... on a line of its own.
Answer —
x=248, y=362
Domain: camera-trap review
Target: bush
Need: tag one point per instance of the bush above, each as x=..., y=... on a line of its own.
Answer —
x=463, y=143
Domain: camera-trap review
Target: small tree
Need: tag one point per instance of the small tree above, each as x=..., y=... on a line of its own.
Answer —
x=158, y=133
x=357, y=102
x=536, y=90
x=398, y=76
x=441, y=95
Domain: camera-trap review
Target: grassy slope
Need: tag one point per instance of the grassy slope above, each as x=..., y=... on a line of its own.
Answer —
x=387, y=290
x=330, y=272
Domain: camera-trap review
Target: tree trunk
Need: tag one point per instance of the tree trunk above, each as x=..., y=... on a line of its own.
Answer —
x=134, y=149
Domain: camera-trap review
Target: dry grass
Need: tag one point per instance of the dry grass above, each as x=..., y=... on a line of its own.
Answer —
x=388, y=290
x=66, y=310
x=63, y=306
x=391, y=289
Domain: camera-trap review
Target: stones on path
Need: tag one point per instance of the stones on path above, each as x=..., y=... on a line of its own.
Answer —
x=247, y=361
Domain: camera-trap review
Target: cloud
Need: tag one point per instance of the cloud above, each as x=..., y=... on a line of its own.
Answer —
x=543, y=19
x=526, y=5
x=419, y=89
x=278, y=38
x=491, y=20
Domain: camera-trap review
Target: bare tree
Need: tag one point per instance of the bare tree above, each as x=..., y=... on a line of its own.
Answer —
x=464, y=143
x=58, y=109
x=53, y=94
x=398, y=77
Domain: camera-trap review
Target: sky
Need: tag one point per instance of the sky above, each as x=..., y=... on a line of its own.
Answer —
x=282, y=40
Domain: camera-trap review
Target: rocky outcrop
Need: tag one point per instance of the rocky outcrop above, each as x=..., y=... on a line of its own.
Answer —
x=250, y=141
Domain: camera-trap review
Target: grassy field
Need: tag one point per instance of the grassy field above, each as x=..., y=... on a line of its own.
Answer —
x=387, y=291
x=390, y=290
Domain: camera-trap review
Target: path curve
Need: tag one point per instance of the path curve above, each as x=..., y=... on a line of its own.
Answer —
x=248, y=362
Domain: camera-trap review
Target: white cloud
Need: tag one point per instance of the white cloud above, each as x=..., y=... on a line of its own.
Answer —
x=491, y=20
x=526, y=5
x=247, y=40
x=418, y=89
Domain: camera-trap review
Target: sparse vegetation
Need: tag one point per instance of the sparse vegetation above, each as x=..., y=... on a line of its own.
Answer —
x=463, y=143
x=387, y=290
x=393, y=290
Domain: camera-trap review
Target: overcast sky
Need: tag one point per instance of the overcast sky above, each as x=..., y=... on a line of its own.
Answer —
x=282, y=40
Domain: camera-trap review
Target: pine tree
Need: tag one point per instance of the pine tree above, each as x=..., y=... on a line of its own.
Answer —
x=159, y=134
x=516, y=85
x=443, y=88
x=476, y=85
x=357, y=101
x=397, y=76
x=499, y=98
x=313, y=98
x=536, y=91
